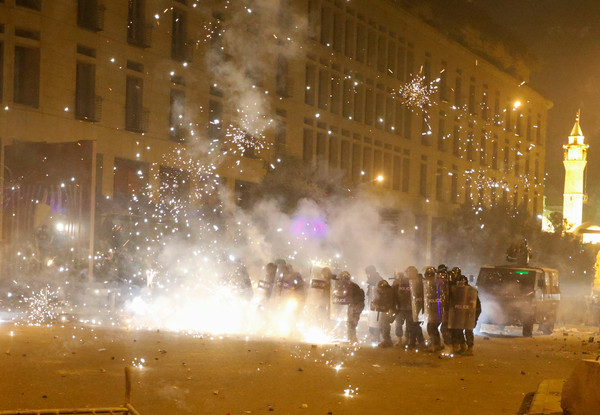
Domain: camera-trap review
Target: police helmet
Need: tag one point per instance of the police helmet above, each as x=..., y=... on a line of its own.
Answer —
x=344, y=275
x=442, y=268
x=429, y=272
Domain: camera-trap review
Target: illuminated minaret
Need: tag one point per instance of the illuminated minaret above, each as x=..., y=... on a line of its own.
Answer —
x=575, y=159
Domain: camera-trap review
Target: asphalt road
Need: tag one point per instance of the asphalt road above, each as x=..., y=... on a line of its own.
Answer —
x=82, y=366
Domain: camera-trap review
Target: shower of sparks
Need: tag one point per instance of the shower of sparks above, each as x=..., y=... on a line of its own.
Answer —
x=43, y=307
x=417, y=93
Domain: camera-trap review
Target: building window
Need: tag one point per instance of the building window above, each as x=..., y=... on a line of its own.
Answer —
x=359, y=102
x=454, y=185
x=472, y=103
x=215, y=120
x=381, y=54
x=334, y=152
x=310, y=84
x=356, y=162
x=468, y=196
x=30, y=4
x=439, y=182
x=444, y=83
x=470, y=139
x=497, y=119
x=338, y=32
x=361, y=43
x=484, y=103
x=506, y=159
x=401, y=65
x=367, y=164
x=282, y=80
x=538, y=131
x=482, y=148
x=369, y=105
x=27, y=76
x=406, y=173
x=425, y=132
x=324, y=82
x=397, y=173
x=372, y=47
x=508, y=119
x=495, y=153
x=280, y=136
x=350, y=46
x=130, y=178
x=90, y=15
x=326, y=26
x=87, y=105
x=458, y=91
x=389, y=114
x=307, y=146
x=407, y=123
x=456, y=140
x=179, y=46
x=138, y=32
x=379, y=109
x=423, y=177
x=336, y=94
x=313, y=19
x=177, y=130
x=134, y=104
x=348, y=96
x=345, y=158
x=441, y=141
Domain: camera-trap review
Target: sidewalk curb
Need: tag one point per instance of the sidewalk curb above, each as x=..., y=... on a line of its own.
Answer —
x=547, y=398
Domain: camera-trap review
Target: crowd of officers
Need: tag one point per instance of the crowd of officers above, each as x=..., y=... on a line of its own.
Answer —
x=441, y=298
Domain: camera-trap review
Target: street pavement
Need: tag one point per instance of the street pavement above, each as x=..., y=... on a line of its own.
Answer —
x=176, y=373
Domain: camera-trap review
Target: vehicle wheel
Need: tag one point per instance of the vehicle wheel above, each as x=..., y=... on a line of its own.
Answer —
x=548, y=326
x=527, y=329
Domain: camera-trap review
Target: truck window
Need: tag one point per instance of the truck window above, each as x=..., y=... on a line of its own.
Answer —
x=506, y=281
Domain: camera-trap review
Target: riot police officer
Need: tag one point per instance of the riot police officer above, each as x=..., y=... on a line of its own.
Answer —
x=356, y=304
x=464, y=312
x=401, y=287
x=384, y=304
x=373, y=278
x=415, y=280
x=434, y=293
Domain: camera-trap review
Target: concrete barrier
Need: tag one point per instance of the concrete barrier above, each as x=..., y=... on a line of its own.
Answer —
x=580, y=394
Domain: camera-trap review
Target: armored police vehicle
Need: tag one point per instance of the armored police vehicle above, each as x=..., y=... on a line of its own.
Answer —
x=519, y=295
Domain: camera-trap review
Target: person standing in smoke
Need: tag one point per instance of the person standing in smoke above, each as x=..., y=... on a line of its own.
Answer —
x=401, y=287
x=355, y=306
x=456, y=334
x=373, y=278
x=415, y=334
x=384, y=303
x=444, y=281
x=270, y=275
x=468, y=311
x=432, y=291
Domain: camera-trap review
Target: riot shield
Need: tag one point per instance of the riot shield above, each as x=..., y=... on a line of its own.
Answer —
x=372, y=316
x=339, y=299
x=462, y=306
x=403, y=295
x=433, y=289
x=317, y=298
x=416, y=291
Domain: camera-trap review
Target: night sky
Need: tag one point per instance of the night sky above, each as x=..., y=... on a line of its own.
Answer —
x=564, y=36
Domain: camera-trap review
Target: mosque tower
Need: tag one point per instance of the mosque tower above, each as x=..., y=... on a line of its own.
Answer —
x=575, y=159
